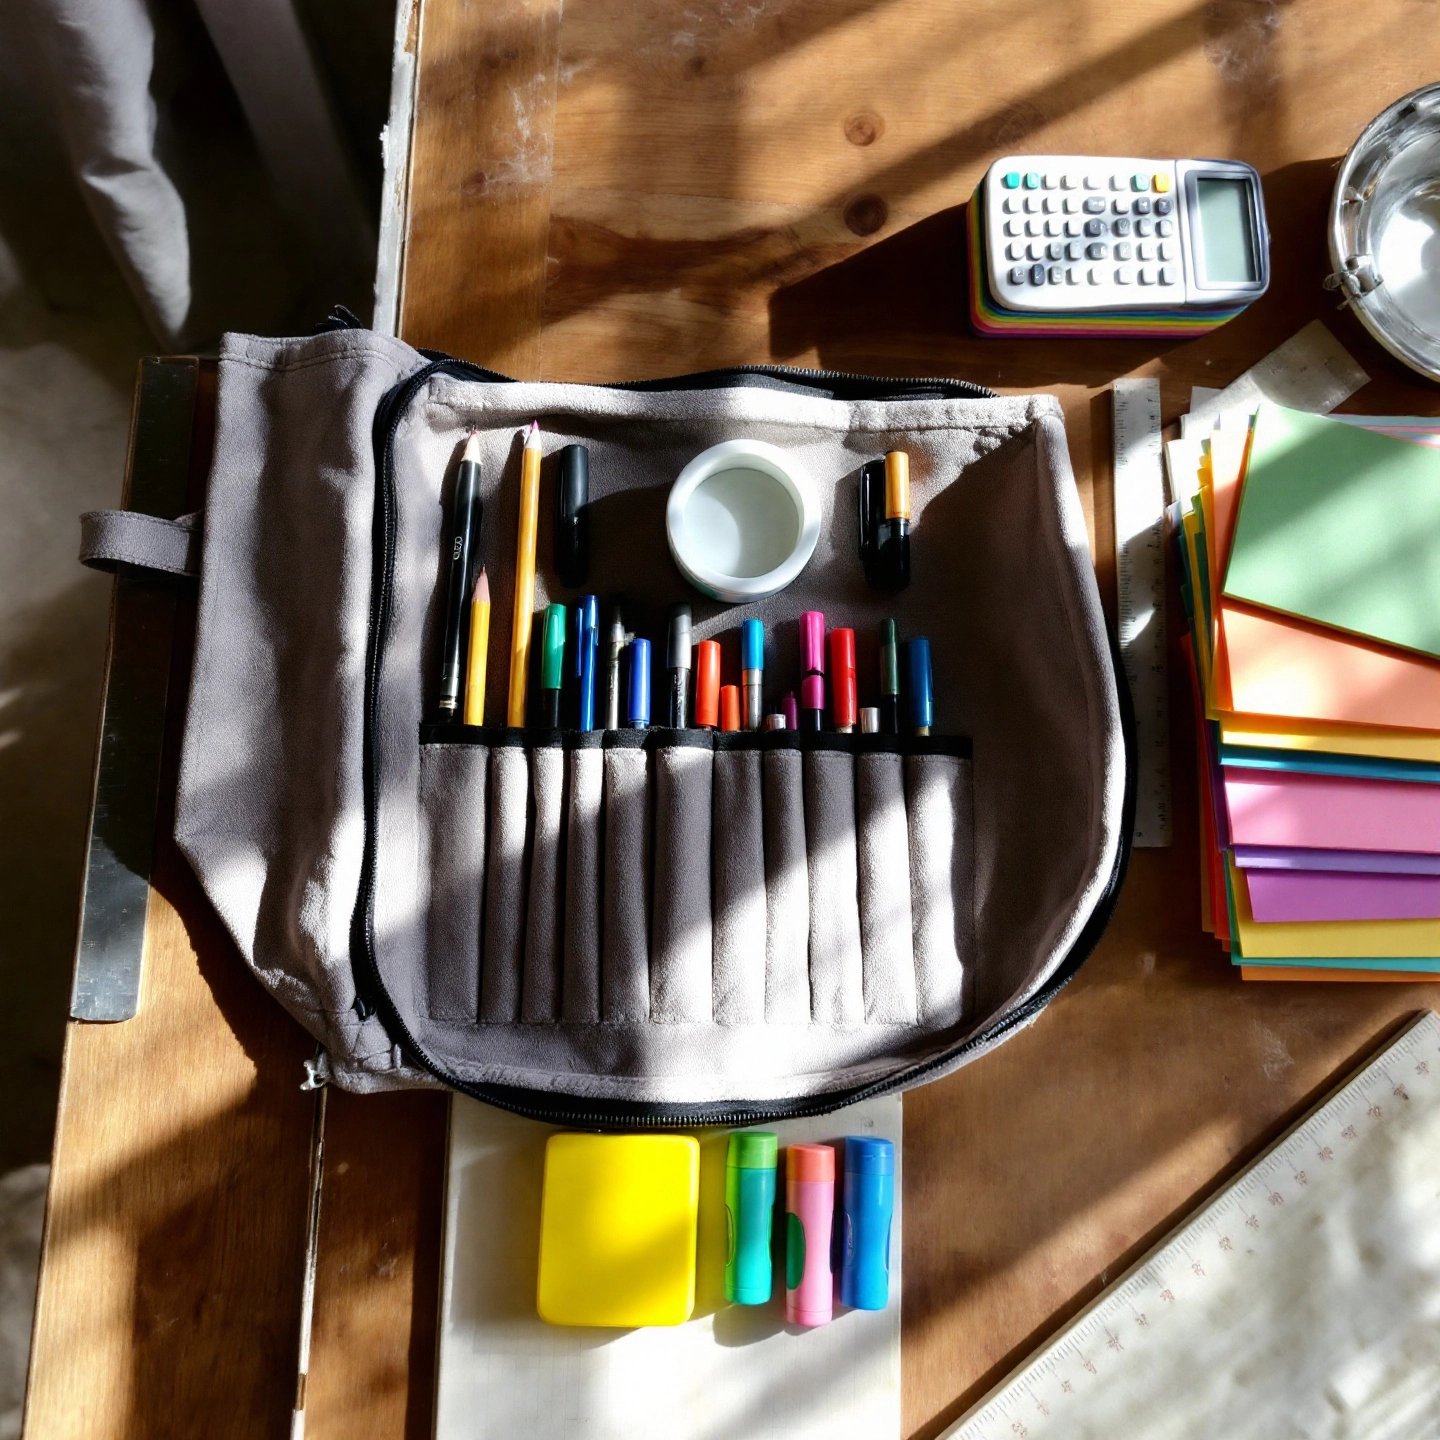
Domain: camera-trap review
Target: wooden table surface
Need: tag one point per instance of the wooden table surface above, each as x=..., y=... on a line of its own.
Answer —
x=621, y=188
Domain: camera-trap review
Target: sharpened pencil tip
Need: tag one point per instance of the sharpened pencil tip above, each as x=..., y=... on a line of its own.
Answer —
x=472, y=448
x=482, y=586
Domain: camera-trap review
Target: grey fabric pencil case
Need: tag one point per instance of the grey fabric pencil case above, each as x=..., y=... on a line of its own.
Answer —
x=637, y=927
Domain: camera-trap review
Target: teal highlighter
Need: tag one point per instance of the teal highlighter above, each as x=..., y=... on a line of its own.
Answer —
x=749, y=1215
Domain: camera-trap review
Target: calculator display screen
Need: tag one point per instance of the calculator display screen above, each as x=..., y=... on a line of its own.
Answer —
x=1227, y=238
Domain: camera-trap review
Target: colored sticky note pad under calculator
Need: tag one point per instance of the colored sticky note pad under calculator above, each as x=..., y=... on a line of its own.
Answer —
x=617, y=1230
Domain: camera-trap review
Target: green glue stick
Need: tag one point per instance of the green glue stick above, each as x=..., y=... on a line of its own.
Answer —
x=749, y=1215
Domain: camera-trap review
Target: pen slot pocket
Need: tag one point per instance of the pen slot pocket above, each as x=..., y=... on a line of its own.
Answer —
x=450, y=865
x=883, y=864
x=681, y=956
x=738, y=871
x=580, y=990
x=545, y=923
x=940, y=813
x=506, y=899
x=836, y=963
x=625, y=911
x=787, y=890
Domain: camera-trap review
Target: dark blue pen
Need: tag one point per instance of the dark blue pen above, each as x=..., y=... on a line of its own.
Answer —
x=637, y=708
x=587, y=658
x=919, y=685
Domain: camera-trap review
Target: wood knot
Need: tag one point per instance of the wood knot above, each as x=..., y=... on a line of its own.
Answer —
x=864, y=128
x=865, y=214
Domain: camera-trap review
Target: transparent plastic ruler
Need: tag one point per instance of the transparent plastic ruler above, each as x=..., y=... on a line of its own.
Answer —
x=1140, y=583
x=1299, y=1298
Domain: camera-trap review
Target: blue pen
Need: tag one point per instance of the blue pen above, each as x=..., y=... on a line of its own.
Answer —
x=752, y=670
x=868, y=1205
x=587, y=658
x=919, y=686
x=637, y=709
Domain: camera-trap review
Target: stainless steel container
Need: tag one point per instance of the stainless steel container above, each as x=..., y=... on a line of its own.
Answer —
x=1385, y=229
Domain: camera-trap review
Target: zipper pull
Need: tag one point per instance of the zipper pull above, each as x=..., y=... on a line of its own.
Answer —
x=317, y=1072
x=341, y=317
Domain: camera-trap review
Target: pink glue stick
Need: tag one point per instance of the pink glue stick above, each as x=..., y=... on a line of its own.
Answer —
x=810, y=1208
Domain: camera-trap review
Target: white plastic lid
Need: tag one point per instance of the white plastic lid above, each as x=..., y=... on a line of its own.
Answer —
x=742, y=521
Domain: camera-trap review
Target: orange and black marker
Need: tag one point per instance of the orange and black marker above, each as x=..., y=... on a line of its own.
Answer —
x=892, y=535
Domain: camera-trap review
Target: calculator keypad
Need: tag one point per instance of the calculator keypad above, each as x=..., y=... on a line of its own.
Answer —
x=1110, y=202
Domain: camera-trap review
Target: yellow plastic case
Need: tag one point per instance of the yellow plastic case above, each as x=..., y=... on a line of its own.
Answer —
x=617, y=1230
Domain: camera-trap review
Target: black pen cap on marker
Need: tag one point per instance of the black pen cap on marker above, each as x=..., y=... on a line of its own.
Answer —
x=871, y=506
x=572, y=515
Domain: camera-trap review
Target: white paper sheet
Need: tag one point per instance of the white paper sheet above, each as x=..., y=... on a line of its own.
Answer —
x=730, y=1371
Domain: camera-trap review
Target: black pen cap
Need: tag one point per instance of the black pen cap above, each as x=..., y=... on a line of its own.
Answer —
x=872, y=508
x=677, y=639
x=572, y=515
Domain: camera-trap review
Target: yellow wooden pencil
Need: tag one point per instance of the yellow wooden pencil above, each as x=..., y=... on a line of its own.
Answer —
x=479, y=649
x=524, y=576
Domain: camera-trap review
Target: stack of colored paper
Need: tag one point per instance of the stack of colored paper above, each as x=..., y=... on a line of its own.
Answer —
x=1311, y=573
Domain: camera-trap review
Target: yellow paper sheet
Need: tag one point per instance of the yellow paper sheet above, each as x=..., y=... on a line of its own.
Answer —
x=1273, y=734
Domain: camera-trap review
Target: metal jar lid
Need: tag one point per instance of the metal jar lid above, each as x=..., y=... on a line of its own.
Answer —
x=1385, y=229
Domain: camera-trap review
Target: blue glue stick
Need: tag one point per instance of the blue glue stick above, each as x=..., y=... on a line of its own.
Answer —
x=749, y=1215
x=869, y=1206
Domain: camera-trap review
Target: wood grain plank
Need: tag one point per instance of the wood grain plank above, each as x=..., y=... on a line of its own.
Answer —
x=751, y=180
x=639, y=187
x=483, y=145
x=170, y=1272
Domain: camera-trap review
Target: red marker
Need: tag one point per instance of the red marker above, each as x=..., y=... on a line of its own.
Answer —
x=707, y=684
x=843, y=699
x=729, y=707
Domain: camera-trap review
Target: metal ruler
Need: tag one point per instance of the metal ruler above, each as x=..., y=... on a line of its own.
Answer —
x=1224, y=1291
x=1140, y=582
x=113, y=905
x=1311, y=371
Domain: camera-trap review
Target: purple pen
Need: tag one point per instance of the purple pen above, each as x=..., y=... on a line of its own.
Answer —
x=791, y=710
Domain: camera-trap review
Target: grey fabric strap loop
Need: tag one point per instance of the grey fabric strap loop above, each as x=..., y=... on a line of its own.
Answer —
x=111, y=538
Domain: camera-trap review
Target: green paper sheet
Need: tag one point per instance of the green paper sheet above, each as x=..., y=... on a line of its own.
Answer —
x=1341, y=526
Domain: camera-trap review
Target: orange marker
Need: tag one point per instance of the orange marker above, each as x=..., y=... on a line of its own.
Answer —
x=707, y=684
x=729, y=707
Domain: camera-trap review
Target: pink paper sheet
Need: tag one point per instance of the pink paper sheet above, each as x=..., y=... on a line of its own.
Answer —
x=1331, y=812
x=1341, y=895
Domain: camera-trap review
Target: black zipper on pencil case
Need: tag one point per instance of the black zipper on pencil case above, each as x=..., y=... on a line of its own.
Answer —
x=371, y=996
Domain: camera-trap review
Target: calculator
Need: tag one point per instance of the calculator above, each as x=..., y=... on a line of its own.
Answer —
x=1115, y=245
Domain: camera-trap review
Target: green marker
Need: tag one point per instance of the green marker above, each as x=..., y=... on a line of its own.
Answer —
x=889, y=679
x=552, y=665
x=749, y=1214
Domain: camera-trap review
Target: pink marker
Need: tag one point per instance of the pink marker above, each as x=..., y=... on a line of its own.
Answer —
x=812, y=670
x=809, y=1210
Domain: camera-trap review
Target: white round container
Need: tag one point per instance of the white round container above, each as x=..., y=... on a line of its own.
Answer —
x=742, y=522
